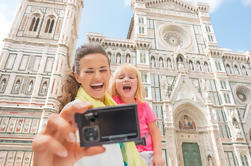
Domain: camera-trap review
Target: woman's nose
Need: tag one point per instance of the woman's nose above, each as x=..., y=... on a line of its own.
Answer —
x=97, y=75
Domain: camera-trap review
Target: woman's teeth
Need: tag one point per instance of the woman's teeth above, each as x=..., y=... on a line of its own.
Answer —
x=97, y=85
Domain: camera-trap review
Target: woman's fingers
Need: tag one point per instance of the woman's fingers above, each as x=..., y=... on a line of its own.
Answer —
x=81, y=152
x=76, y=106
x=59, y=128
x=45, y=145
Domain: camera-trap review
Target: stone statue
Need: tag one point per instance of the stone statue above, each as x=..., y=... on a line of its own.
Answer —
x=164, y=87
x=2, y=85
x=17, y=86
x=180, y=63
x=30, y=86
x=204, y=90
x=169, y=64
x=118, y=59
x=210, y=160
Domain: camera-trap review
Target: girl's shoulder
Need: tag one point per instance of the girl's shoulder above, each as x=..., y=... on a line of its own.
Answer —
x=143, y=104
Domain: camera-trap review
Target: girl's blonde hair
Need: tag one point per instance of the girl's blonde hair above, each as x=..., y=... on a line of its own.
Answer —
x=140, y=92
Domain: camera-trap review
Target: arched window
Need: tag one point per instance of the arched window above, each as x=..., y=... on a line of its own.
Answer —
x=244, y=71
x=128, y=58
x=180, y=62
x=198, y=67
x=153, y=61
x=109, y=54
x=49, y=24
x=34, y=23
x=236, y=70
x=118, y=58
x=228, y=69
x=206, y=68
x=161, y=63
x=191, y=65
x=169, y=63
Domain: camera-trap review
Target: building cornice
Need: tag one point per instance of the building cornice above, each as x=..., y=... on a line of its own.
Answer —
x=126, y=43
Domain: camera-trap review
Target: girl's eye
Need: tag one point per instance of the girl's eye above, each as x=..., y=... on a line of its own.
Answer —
x=132, y=77
x=121, y=77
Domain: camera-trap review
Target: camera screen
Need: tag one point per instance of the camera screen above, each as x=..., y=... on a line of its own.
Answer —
x=108, y=125
x=117, y=123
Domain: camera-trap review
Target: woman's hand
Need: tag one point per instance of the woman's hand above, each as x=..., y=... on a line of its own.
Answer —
x=57, y=144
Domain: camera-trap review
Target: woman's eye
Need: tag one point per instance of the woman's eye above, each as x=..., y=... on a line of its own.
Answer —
x=103, y=70
x=89, y=72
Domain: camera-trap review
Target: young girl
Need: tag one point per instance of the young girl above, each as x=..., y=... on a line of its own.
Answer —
x=57, y=144
x=127, y=88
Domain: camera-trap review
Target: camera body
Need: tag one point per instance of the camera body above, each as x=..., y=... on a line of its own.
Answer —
x=106, y=125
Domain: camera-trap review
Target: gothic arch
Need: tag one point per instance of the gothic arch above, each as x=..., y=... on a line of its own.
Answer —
x=109, y=54
x=206, y=67
x=191, y=109
x=236, y=69
x=118, y=58
x=49, y=24
x=191, y=67
x=128, y=58
x=244, y=69
x=190, y=133
x=153, y=61
x=161, y=62
x=198, y=66
x=228, y=68
x=34, y=22
x=169, y=63
x=180, y=61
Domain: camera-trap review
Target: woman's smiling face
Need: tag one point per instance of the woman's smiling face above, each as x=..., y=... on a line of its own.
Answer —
x=94, y=75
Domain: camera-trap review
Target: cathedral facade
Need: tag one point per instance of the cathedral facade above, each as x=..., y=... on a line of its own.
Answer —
x=201, y=93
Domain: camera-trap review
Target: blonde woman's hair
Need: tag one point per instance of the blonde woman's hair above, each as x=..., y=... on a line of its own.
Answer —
x=140, y=92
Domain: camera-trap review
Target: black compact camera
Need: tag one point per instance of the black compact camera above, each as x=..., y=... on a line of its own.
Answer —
x=106, y=125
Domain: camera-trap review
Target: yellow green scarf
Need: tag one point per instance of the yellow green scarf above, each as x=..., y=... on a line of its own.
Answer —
x=129, y=151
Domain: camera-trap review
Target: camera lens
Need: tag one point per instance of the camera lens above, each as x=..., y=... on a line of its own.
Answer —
x=90, y=134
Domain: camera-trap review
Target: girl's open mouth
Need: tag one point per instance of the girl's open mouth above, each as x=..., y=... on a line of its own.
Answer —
x=127, y=88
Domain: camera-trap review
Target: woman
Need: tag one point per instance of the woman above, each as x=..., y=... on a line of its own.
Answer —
x=57, y=145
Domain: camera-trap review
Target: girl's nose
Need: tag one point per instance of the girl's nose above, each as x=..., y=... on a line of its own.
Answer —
x=126, y=79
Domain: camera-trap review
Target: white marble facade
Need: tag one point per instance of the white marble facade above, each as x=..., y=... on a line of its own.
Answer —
x=200, y=93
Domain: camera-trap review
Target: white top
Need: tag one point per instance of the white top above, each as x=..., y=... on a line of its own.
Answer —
x=111, y=157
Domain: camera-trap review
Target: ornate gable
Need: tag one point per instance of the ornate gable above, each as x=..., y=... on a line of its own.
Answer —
x=185, y=90
x=176, y=5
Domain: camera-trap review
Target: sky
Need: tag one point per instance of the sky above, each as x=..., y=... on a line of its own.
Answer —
x=231, y=20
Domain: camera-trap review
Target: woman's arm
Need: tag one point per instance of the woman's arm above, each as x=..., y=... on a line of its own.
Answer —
x=157, y=145
x=57, y=144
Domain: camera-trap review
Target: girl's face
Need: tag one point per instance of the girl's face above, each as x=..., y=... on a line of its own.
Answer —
x=94, y=75
x=126, y=84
